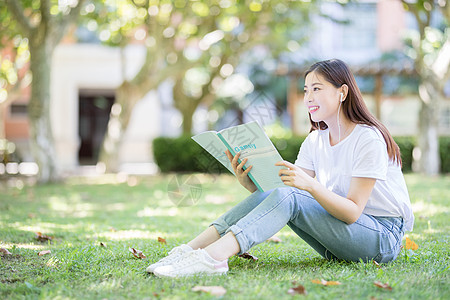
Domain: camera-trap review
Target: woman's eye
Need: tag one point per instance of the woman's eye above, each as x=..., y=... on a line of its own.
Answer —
x=315, y=89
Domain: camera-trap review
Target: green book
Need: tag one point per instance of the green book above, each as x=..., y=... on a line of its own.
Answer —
x=252, y=142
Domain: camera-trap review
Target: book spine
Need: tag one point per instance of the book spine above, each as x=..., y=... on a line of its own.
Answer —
x=234, y=153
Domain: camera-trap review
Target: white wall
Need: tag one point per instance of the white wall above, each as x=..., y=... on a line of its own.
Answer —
x=88, y=66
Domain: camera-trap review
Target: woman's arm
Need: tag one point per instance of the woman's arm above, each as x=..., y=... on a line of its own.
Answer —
x=347, y=209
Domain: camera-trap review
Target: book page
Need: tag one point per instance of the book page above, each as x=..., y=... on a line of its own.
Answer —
x=212, y=143
x=253, y=143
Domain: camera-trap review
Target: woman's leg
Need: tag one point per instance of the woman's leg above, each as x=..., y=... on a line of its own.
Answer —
x=366, y=239
x=271, y=214
x=219, y=227
x=207, y=237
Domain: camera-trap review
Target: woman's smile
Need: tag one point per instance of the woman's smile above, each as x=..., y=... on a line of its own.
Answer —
x=312, y=109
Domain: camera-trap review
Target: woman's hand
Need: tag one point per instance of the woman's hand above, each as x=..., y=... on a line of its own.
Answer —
x=296, y=177
x=241, y=174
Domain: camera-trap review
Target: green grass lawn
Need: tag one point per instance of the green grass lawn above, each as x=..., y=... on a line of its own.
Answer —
x=83, y=213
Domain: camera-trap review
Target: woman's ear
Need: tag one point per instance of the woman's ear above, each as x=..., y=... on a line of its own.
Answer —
x=344, y=91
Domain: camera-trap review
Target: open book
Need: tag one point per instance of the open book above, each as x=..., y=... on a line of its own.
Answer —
x=252, y=142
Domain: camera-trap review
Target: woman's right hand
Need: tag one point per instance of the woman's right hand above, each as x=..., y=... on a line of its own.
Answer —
x=241, y=174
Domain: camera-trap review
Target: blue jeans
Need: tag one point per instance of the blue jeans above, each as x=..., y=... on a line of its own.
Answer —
x=263, y=214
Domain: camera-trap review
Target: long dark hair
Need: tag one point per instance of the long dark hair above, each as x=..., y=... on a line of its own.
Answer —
x=337, y=73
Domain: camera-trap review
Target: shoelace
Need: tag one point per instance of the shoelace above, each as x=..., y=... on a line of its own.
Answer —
x=189, y=259
x=177, y=253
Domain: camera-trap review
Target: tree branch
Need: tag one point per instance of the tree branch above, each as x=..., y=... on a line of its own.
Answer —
x=62, y=25
x=17, y=10
x=45, y=11
x=445, y=10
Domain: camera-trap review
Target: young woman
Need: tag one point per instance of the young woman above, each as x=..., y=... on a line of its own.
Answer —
x=345, y=195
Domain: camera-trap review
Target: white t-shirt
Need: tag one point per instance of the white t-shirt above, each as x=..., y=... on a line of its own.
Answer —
x=361, y=154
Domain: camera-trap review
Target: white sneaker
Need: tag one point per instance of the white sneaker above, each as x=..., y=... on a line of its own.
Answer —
x=192, y=263
x=174, y=255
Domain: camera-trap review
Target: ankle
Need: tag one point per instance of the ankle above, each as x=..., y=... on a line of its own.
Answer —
x=192, y=246
x=215, y=256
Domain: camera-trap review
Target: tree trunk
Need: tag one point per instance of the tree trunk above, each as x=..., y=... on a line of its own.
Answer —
x=187, y=114
x=427, y=159
x=184, y=104
x=41, y=142
x=127, y=95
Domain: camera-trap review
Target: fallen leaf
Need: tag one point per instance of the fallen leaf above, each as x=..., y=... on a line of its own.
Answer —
x=376, y=264
x=297, y=290
x=137, y=253
x=44, y=252
x=324, y=282
x=274, y=239
x=42, y=237
x=383, y=285
x=5, y=251
x=214, y=290
x=161, y=240
x=247, y=255
x=102, y=244
x=411, y=245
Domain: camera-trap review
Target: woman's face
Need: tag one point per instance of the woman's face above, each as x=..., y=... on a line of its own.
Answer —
x=321, y=98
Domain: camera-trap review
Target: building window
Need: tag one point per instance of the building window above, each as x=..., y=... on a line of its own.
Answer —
x=18, y=110
x=445, y=119
x=360, y=32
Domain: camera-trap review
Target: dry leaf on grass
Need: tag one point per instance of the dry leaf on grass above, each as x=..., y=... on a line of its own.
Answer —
x=44, y=252
x=161, y=240
x=42, y=237
x=411, y=245
x=102, y=244
x=376, y=264
x=137, y=253
x=274, y=239
x=214, y=290
x=247, y=255
x=297, y=289
x=4, y=251
x=325, y=282
x=384, y=286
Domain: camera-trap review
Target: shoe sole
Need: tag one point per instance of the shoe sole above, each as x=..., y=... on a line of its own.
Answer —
x=222, y=271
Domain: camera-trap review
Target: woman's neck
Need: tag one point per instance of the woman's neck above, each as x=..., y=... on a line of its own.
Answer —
x=338, y=131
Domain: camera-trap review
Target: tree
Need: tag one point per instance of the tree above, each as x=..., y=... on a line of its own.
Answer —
x=269, y=24
x=186, y=37
x=43, y=23
x=430, y=48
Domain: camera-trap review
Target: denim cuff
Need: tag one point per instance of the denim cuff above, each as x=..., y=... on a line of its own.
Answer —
x=242, y=240
x=220, y=227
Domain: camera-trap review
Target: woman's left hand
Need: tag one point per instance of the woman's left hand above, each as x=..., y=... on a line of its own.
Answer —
x=294, y=176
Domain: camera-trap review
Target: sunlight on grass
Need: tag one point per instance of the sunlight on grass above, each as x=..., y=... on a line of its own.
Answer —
x=128, y=235
x=107, y=285
x=44, y=226
x=152, y=212
x=24, y=246
x=423, y=209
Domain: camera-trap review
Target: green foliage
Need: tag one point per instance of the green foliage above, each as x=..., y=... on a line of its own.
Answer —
x=444, y=151
x=182, y=154
x=406, y=145
x=288, y=148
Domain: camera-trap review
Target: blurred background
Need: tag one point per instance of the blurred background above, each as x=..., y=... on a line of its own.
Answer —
x=119, y=86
